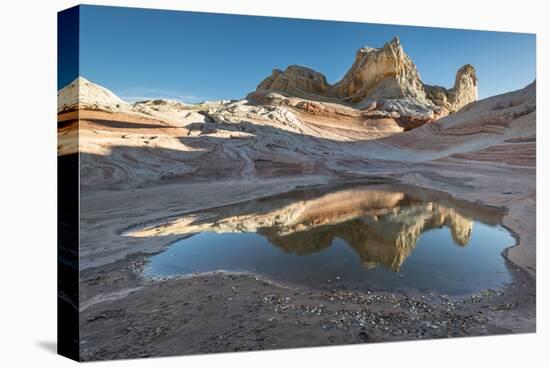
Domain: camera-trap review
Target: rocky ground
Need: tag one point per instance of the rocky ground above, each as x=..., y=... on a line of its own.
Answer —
x=154, y=160
x=223, y=312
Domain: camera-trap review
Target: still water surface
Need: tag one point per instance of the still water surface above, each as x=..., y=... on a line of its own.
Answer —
x=379, y=237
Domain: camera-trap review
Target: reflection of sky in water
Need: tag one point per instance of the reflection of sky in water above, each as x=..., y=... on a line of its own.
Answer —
x=436, y=263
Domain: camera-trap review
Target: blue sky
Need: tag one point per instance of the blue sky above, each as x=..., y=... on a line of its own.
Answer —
x=139, y=53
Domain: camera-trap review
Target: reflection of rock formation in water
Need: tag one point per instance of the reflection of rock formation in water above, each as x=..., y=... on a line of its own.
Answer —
x=461, y=228
x=293, y=214
x=382, y=226
x=381, y=239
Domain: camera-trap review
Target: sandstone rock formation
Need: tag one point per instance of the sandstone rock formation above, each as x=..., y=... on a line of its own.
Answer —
x=285, y=136
x=84, y=94
x=385, y=73
x=296, y=80
x=174, y=111
x=382, y=82
x=463, y=92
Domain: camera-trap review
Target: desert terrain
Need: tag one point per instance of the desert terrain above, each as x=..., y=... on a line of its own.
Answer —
x=147, y=169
